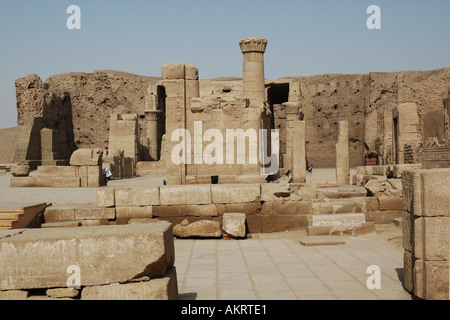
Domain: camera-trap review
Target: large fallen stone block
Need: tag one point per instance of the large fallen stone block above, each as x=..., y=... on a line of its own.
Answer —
x=86, y=157
x=431, y=238
x=199, y=229
x=234, y=225
x=23, y=182
x=40, y=258
x=186, y=210
x=20, y=170
x=431, y=280
x=164, y=288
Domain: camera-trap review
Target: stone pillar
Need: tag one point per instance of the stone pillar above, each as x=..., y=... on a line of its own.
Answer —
x=153, y=117
x=292, y=115
x=342, y=155
x=299, y=151
x=406, y=124
x=254, y=81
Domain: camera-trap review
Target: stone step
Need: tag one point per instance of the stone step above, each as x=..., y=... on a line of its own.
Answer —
x=348, y=230
x=320, y=207
x=337, y=220
x=339, y=192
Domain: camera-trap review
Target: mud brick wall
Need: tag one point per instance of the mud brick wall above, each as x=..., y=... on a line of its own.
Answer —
x=426, y=233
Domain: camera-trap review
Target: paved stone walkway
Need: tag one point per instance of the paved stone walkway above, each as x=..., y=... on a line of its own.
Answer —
x=278, y=267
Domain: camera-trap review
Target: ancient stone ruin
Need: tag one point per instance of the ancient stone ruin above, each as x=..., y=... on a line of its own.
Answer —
x=233, y=155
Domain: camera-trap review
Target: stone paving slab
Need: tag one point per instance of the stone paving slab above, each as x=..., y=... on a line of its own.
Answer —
x=278, y=267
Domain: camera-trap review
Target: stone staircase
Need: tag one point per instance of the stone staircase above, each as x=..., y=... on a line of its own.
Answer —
x=16, y=216
x=339, y=211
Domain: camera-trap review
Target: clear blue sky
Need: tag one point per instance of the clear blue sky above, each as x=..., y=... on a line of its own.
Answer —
x=137, y=36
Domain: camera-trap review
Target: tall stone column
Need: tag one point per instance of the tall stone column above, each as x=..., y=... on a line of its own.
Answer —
x=254, y=81
x=153, y=133
x=342, y=155
x=299, y=151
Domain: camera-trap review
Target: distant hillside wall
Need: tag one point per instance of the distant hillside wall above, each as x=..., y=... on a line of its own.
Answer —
x=78, y=107
x=8, y=141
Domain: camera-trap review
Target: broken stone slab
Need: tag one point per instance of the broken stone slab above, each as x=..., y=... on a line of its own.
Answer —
x=185, y=195
x=322, y=241
x=349, y=230
x=86, y=157
x=40, y=258
x=165, y=288
x=291, y=192
x=336, y=220
x=338, y=192
x=62, y=293
x=234, y=225
x=199, y=229
x=20, y=170
x=62, y=224
x=388, y=187
x=138, y=196
x=13, y=295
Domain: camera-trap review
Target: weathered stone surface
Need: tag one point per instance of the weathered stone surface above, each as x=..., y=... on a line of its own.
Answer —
x=89, y=212
x=408, y=262
x=187, y=210
x=322, y=241
x=138, y=196
x=188, y=194
x=199, y=229
x=383, y=188
x=56, y=171
x=38, y=258
x=292, y=192
x=62, y=293
x=235, y=193
x=337, y=220
x=57, y=213
x=431, y=280
x=86, y=157
x=63, y=224
x=391, y=203
x=165, y=288
x=106, y=197
x=173, y=71
x=435, y=193
x=23, y=182
x=20, y=170
x=134, y=212
x=431, y=238
x=282, y=207
x=13, y=295
x=234, y=225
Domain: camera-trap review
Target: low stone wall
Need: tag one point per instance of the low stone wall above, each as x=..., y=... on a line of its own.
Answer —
x=114, y=262
x=268, y=207
x=426, y=232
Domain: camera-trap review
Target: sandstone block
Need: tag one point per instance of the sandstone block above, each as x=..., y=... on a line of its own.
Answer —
x=408, y=263
x=431, y=280
x=62, y=224
x=431, y=238
x=235, y=193
x=390, y=203
x=337, y=220
x=13, y=295
x=86, y=157
x=206, y=210
x=234, y=225
x=138, y=196
x=56, y=171
x=88, y=212
x=281, y=207
x=20, y=170
x=37, y=258
x=247, y=208
x=105, y=197
x=59, y=213
x=23, y=182
x=199, y=229
x=187, y=194
x=173, y=71
x=165, y=288
x=62, y=293
x=435, y=193
x=134, y=212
